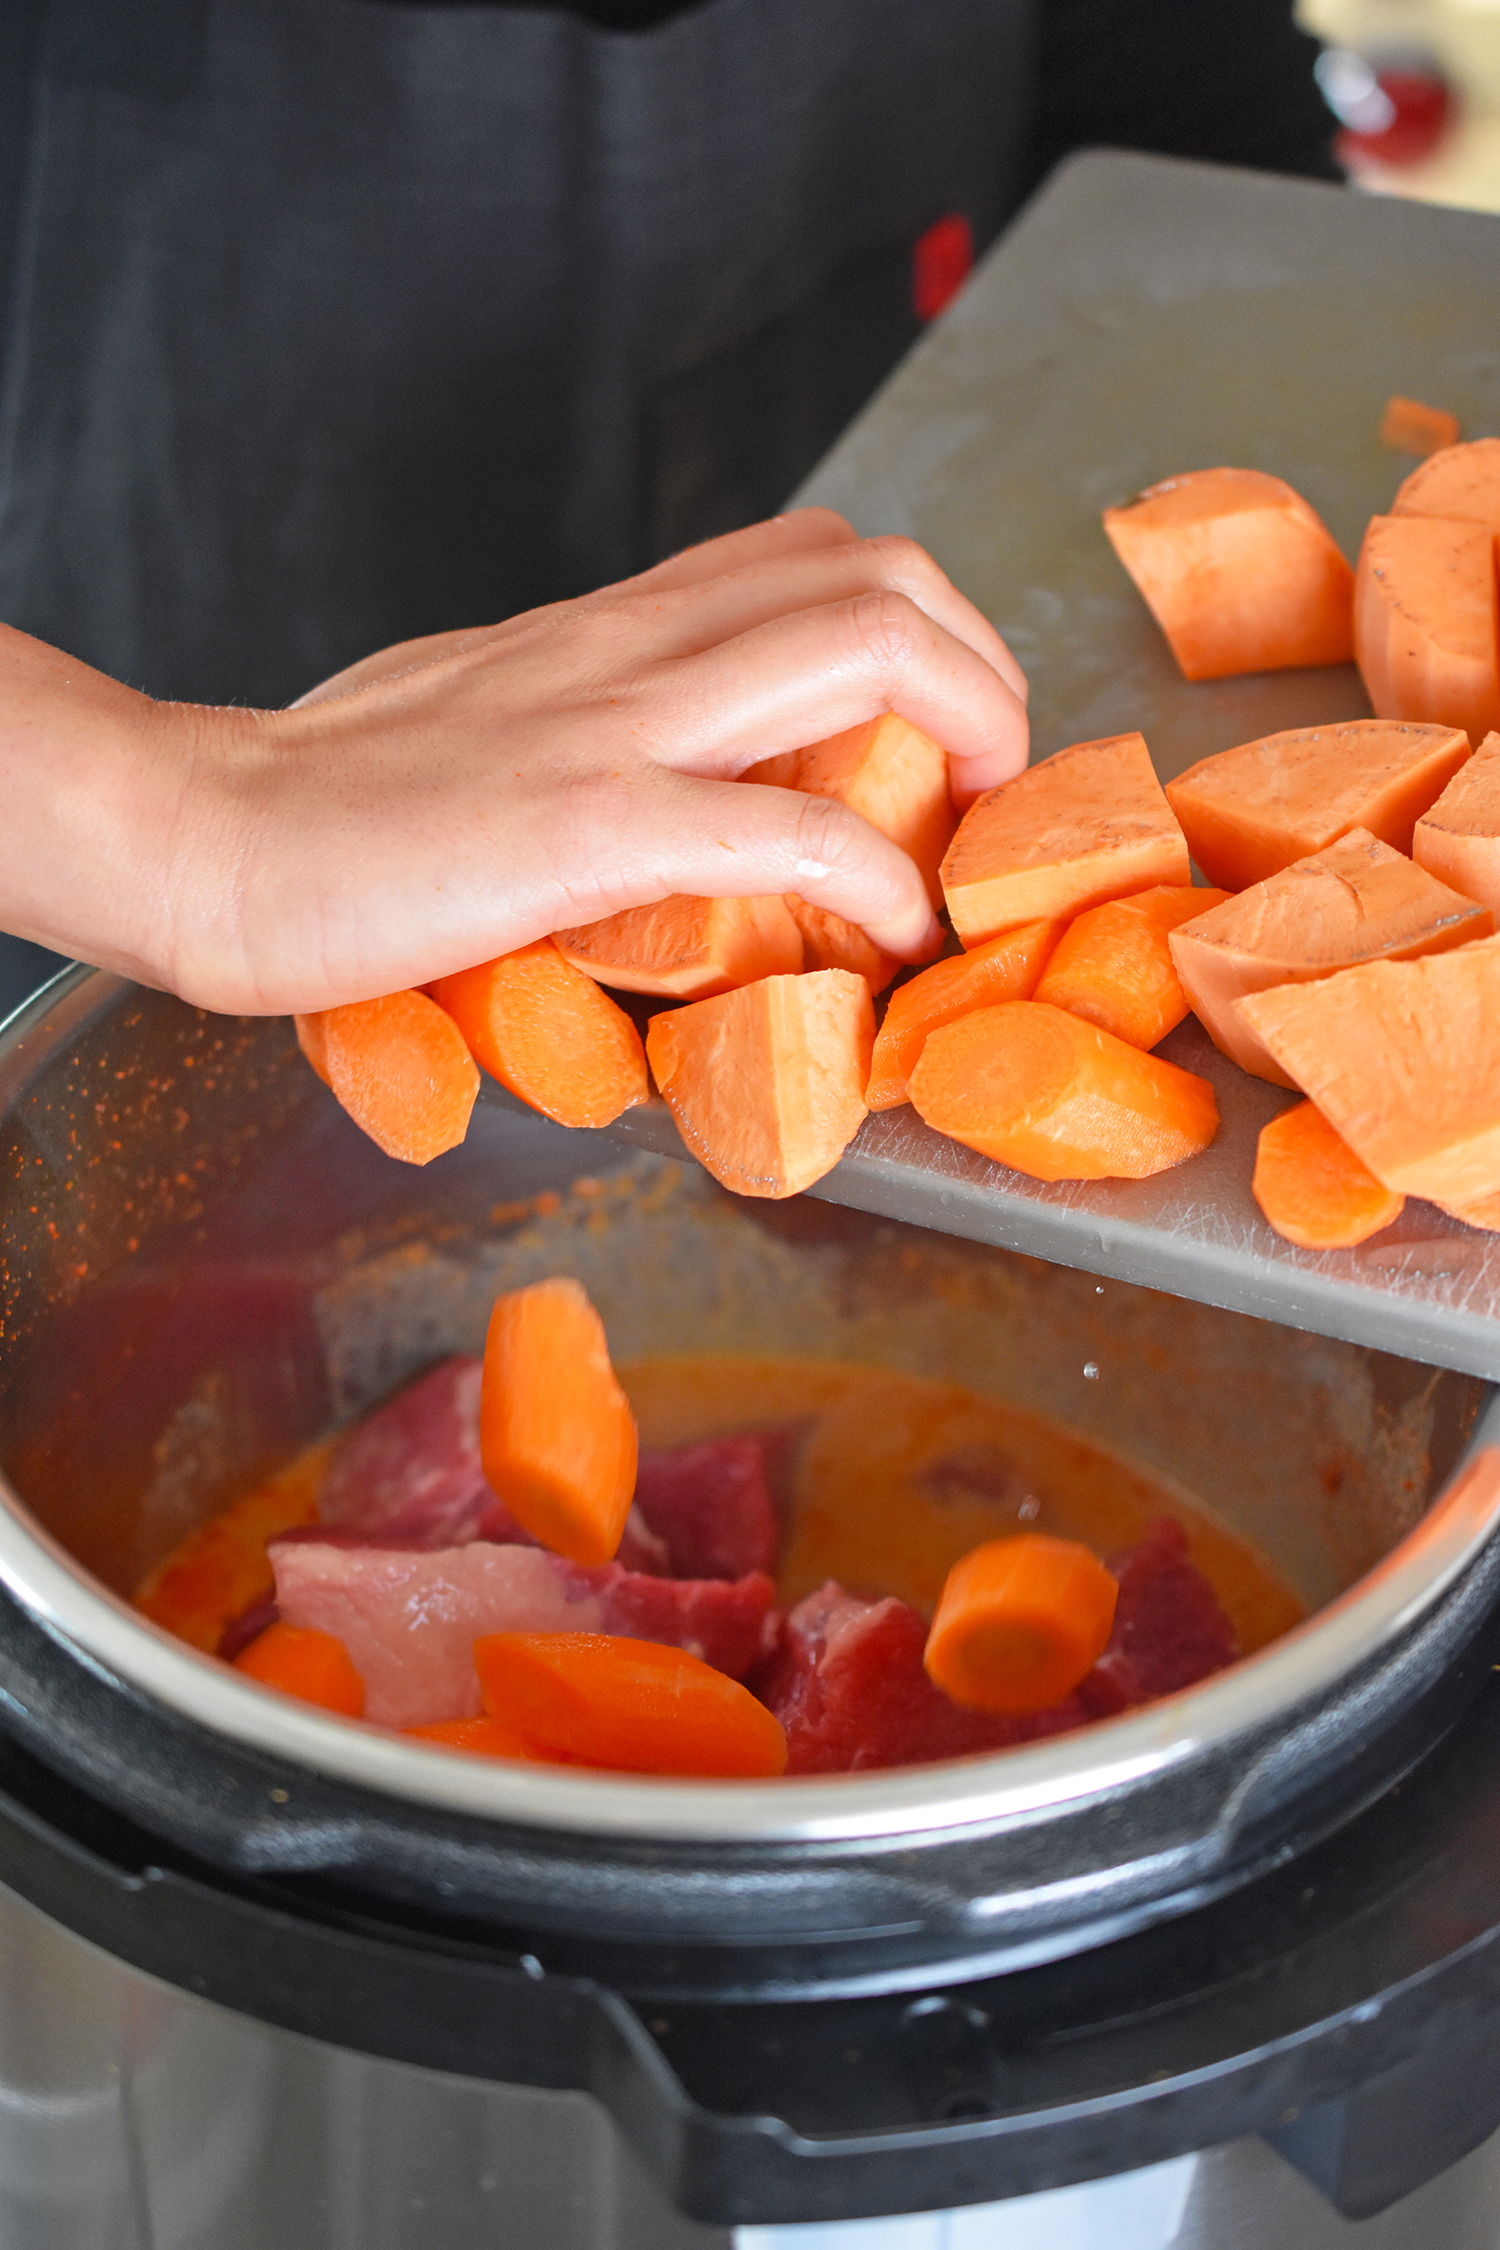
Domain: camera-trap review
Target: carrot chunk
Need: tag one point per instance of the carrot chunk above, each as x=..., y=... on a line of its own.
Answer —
x=890, y=773
x=1113, y=965
x=217, y=1572
x=1252, y=810
x=1426, y=629
x=1020, y=1622
x=1313, y=1188
x=1357, y=901
x=1457, y=840
x=1462, y=483
x=687, y=948
x=313, y=1666
x=549, y=1034
x=400, y=1068
x=557, y=1439
x=1401, y=1058
x=1004, y=968
x=312, y=1039
x=1055, y=1097
x=485, y=1738
x=1089, y=823
x=1407, y=426
x=633, y=1706
x=1238, y=571
x=1483, y=1213
x=829, y=942
x=768, y=1084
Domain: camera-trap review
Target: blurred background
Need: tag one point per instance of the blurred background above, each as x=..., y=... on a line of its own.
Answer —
x=1416, y=86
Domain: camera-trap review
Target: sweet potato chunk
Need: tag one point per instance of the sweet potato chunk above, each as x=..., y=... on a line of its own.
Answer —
x=829, y=942
x=1313, y=1188
x=888, y=771
x=1113, y=966
x=767, y=1084
x=549, y=1034
x=1458, y=838
x=1426, y=626
x=687, y=948
x=1003, y=968
x=1462, y=483
x=1407, y=426
x=1238, y=571
x=1250, y=811
x=1089, y=823
x=1357, y=901
x=1054, y=1097
x=1401, y=1058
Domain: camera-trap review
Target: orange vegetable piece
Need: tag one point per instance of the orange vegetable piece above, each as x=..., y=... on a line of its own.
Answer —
x=1462, y=483
x=1113, y=965
x=486, y=1738
x=1426, y=627
x=1483, y=1213
x=1313, y=1188
x=829, y=942
x=1052, y=1096
x=313, y=1666
x=890, y=773
x=633, y=1706
x=768, y=1084
x=1357, y=901
x=557, y=1439
x=314, y=1045
x=1238, y=571
x=1020, y=1622
x=1089, y=823
x=1004, y=968
x=549, y=1034
x=218, y=1571
x=1407, y=426
x=1250, y=811
x=687, y=948
x=400, y=1068
x=1402, y=1059
x=1458, y=838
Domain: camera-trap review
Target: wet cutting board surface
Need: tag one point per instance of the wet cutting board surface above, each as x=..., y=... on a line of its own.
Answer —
x=1145, y=317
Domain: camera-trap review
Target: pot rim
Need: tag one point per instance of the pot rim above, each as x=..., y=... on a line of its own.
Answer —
x=994, y=1790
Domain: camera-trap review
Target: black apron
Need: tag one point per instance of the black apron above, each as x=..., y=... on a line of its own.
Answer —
x=337, y=321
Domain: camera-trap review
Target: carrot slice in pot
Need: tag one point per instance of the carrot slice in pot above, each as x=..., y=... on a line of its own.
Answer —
x=1020, y=1622
x=1407, y=426
x=557, y=1438
x=315, y=1667
x=633, y=1706
x=485, y=1738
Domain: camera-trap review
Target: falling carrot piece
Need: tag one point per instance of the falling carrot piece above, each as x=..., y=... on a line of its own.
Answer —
x=400, y=1068
x=549, y=1034
x=1460, y=484
x=1250, y=811
x=1088, y=824
x=1457, y=840
x=1020, y=1622
x=1238, y=571
x=1313, y=1188
x=485, y=1738
x=313, y=1041
x=829, y=942
x=1054, y=1097
x=557, y=1439
x=687, y=948
x=315, y=1667
x=1113, y=965
x=768, y=1084
x=1407, y=426
x=217, y=1572
x=890, y=773
x=1425, y=621
x=633, y=1706
x=1004, y=968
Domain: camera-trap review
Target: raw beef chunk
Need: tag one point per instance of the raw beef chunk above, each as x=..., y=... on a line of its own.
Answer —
x=711, y=1504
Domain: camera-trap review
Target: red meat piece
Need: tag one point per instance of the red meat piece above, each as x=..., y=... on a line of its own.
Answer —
x=410, y=1472
x=711, y=1503
x=845, y=1676
x=409, y=1616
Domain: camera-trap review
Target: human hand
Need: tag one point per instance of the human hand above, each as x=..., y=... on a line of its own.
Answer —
x=453, y=798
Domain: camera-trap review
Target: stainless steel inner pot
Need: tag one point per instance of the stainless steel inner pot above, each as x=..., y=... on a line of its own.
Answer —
x=205, y=1265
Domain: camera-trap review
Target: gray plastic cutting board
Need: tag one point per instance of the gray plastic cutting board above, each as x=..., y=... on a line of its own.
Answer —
x=1144, y=317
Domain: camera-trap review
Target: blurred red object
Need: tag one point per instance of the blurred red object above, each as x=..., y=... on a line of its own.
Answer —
x=1422, y=106
x=941, y=262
